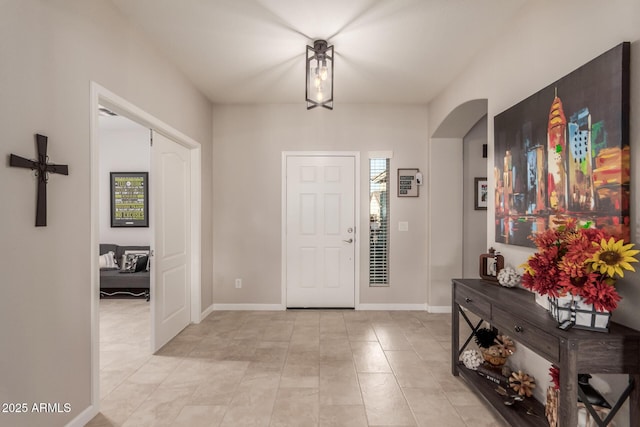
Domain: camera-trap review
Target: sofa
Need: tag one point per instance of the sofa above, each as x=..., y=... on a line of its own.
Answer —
x=124, y=270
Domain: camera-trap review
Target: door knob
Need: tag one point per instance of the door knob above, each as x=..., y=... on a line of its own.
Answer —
x=348, y=241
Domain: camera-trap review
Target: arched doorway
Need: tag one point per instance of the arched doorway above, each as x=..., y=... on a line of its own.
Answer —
x=450, y=185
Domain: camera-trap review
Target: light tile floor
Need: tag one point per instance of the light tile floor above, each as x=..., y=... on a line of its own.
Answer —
x=288, y=368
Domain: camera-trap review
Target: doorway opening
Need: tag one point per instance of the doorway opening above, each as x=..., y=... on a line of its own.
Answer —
x=124, y=311
x=101, y=97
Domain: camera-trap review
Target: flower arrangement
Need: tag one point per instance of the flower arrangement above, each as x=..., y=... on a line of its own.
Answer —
x=578, y=260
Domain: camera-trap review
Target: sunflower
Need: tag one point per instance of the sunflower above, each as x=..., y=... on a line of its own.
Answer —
x=612, y=257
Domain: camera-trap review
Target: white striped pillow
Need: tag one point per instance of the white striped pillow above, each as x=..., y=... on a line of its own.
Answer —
x=108, y=260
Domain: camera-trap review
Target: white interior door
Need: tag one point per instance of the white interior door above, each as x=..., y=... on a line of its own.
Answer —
x=171, y=280
x=320, y=231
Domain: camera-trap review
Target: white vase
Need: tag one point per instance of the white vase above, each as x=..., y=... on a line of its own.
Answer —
x=560, y=308
x=571, y=311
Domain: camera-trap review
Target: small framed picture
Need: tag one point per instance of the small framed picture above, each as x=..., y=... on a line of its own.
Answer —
x=481, y=188
x=408, y=182
x=129, y=199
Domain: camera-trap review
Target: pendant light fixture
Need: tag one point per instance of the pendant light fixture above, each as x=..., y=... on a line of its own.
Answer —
x=319, y=91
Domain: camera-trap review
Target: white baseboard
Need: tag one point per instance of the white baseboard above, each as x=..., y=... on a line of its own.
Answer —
x=363, y=307
x=392, y=307
x=436, y=309
x=84, y=417
x=249, y=307
x=206, y=312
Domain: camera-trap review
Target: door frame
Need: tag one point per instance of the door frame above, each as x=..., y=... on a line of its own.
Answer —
x=102, y=96
x=357, y=222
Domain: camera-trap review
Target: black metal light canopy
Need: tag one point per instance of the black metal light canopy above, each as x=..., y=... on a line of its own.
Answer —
x=319, y=90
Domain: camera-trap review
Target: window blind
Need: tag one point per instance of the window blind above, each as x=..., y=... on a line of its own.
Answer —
x=378, y=222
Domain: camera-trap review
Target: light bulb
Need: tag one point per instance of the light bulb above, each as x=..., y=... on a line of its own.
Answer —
x=317, y=81
x=320, y=96
x=324, y=72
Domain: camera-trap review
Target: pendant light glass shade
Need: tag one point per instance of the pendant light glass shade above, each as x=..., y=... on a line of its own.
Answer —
x=319, y=91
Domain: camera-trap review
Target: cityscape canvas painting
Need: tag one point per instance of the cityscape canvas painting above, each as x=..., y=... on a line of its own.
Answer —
x=565, y=150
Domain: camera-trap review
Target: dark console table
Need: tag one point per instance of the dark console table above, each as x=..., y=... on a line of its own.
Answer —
x=515, y=313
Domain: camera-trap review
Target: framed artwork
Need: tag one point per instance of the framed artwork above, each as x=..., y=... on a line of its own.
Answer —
x=408, y=182
x=565, y=150
x=129, y=199
x=481, y=187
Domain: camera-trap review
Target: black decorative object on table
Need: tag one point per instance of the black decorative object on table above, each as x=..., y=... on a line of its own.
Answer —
x=42, y=169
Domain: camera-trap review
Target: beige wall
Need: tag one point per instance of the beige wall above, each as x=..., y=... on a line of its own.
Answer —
x=474, y=221
x=445, y=219
x=51, y=50
x=247, y=158
x=544, y=43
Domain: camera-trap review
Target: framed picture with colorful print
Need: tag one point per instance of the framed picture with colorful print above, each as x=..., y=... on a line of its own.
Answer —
x=129, y=199
x=481, y=188
x=565, y=150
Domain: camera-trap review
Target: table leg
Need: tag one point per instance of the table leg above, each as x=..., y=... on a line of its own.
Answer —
x=567, y=408
x=634, y=401
x=455, y=336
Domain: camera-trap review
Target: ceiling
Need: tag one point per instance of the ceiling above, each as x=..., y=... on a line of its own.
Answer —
x=386, y=51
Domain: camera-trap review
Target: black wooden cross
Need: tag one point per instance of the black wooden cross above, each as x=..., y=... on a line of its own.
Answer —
x=42, y=169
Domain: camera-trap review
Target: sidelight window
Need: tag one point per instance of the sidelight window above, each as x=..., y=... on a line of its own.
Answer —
x=379, y=222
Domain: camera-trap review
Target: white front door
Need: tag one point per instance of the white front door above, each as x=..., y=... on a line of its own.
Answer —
x=320, y=231
x=171, y=281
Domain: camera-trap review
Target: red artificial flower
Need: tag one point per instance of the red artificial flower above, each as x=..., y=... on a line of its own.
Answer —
x=601, y=294
x=576, y=284
x=579, y=248
x=544, y=267
x=554, y=371
x=594, y=235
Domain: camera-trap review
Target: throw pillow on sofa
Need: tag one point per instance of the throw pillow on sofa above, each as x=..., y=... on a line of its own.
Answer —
x=107, y=260
x=142, y=263
x=141, y=253
x=134, y=263
x=128, y=264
